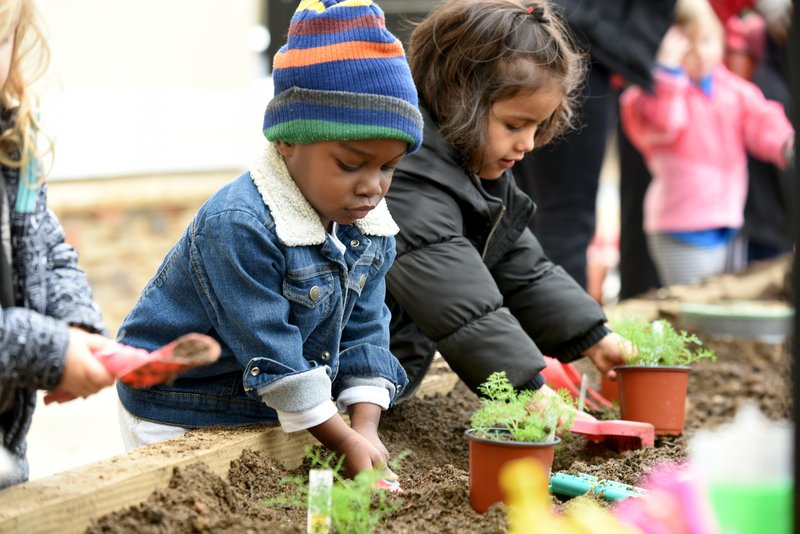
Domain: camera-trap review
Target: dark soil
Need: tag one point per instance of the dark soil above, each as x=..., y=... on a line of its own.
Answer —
x=435, y=476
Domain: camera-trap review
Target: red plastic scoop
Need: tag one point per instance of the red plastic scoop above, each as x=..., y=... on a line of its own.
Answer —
x=564, y=376
x=139, y=368
x=617, y=434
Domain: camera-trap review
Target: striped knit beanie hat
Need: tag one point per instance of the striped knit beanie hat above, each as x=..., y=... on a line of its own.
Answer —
x=342, y=76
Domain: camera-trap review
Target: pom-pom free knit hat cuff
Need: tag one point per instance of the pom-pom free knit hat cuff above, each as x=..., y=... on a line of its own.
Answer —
x=342, y=76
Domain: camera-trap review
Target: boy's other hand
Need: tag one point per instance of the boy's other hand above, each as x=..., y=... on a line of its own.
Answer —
x=364, y=419
x=360, y=455
x=83, y=374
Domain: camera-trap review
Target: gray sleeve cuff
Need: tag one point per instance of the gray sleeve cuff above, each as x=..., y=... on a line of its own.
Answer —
x=298, y=392
x=294, y=421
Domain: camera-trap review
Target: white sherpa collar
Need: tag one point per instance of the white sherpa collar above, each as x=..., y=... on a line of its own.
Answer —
x=296, y=221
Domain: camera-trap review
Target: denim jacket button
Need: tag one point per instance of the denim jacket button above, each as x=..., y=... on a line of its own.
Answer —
x=362, y=281
x=325, y=356
x=314, y=293
x=354, y=243
x=254, y=371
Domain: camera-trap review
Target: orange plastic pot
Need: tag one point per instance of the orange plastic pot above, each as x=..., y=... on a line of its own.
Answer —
x=608, y=389
x=655, y=395
x=488, y=456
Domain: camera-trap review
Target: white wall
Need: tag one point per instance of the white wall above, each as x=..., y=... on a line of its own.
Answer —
x=152, y=86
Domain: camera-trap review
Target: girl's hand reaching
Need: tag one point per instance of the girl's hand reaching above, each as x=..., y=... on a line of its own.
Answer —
x=549, y=396
x=612, y=350
x=83, y=374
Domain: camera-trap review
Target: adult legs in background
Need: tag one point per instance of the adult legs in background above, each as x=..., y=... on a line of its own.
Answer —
x=768, y=213
x=562, y=178
x=637, y=272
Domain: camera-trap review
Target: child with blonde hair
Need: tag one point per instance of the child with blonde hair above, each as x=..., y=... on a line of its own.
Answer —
x=49, y=324
x=694, y=132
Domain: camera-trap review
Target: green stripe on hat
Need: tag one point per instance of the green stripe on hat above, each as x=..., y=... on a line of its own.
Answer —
x=313, y=131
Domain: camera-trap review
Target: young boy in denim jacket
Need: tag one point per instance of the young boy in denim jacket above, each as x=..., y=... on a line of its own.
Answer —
x=285, y=266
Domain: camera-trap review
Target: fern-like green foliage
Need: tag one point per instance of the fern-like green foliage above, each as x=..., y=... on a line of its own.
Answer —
x=529, y=416
x=357, y=506
x=659, y=343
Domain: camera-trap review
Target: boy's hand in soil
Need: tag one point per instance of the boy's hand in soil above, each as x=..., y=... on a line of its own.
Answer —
x=359, y=454
x=83, y=373
x=612, y=350
x=364, y=419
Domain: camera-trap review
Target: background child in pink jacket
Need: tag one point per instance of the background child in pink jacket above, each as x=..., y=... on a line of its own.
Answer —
x=694, y=132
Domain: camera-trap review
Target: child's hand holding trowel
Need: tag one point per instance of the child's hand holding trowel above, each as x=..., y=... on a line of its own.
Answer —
x=133, y=366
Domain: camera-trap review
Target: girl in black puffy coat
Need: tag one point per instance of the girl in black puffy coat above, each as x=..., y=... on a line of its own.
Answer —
x=496, y=78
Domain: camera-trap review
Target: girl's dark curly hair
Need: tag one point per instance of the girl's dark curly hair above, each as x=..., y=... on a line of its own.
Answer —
x=468, y=54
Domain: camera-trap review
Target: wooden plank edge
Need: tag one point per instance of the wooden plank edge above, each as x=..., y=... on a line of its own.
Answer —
x=66, y=502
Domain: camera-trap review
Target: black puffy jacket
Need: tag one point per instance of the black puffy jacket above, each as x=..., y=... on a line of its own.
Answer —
x=472, y=281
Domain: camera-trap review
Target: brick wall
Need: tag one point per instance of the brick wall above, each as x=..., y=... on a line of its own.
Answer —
x=123, y=228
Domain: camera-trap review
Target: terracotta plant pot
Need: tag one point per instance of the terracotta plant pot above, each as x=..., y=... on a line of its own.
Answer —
x=488, y=455
x=608, y=389
x=655, y=395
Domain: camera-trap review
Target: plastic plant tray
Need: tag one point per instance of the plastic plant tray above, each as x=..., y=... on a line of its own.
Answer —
x=562, y=483
x=766, y=321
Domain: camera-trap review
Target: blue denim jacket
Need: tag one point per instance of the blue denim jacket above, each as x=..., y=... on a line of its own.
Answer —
x=298, y=321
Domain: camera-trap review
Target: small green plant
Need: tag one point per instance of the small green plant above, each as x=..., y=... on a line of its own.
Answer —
x=528, y=416
x=356, y=506
x=659, y=343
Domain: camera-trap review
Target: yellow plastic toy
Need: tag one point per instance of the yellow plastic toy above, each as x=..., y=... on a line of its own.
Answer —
x=530, y=509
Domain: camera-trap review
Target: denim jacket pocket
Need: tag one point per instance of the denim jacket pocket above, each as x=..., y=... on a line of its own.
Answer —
x=311, y=289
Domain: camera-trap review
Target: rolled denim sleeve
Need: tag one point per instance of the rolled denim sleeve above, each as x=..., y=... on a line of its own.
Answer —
x=304, y=399
x=365, y=359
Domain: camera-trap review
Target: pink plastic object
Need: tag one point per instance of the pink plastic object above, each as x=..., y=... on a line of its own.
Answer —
x=392, y=486
x=677, y=503
x=619, y=435
x=140, y=368
x=564, y=376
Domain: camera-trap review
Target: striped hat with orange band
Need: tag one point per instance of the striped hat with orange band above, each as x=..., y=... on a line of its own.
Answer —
x=342, y=76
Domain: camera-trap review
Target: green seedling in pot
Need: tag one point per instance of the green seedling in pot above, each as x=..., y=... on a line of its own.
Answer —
x=527, y=415
x=658, y=343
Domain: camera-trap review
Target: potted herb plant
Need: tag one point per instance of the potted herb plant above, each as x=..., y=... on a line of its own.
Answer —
x=510, y=424
x=652, y=385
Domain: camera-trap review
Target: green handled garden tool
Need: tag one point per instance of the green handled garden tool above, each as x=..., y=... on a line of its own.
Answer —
x=562, y=483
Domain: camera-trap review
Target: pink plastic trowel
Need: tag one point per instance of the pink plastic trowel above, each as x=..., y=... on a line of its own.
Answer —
x=559, y=375
x=616, y=434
